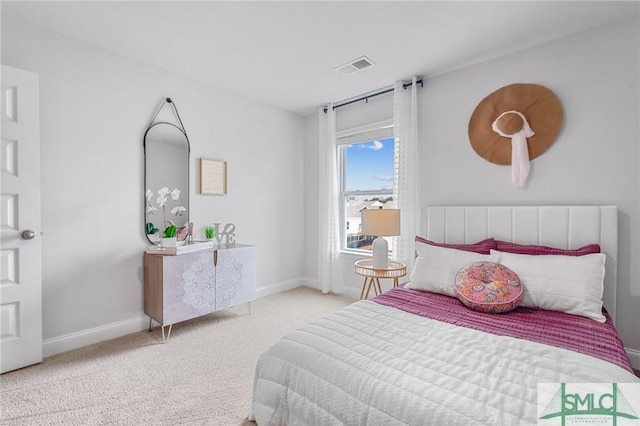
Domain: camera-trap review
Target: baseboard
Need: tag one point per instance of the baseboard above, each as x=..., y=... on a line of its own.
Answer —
x=634, y=357
x=350, y=292
x=310, y=282
x=79, y=339
x=279, y=287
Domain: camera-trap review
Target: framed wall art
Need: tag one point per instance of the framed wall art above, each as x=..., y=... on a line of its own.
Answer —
x=213, y=176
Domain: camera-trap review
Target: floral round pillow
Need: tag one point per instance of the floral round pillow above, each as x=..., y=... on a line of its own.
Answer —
x=488, y=287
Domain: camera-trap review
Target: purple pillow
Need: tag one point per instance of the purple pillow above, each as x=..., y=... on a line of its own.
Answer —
x=481, y=247
x=536, y=250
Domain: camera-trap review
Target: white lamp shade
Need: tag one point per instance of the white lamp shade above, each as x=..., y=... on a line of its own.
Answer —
x=381, y=222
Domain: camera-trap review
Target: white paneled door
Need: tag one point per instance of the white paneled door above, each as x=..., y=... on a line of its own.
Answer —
x=20, y=251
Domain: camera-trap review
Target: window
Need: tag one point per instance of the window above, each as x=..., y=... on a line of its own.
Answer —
x=367, y=167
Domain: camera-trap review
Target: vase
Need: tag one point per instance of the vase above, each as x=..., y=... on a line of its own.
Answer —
x=169, y=242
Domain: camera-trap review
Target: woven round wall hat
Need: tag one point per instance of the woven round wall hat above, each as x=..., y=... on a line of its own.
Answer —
x=530, y=110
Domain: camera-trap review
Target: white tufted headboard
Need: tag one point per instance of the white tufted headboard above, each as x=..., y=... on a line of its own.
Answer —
x=567, y=227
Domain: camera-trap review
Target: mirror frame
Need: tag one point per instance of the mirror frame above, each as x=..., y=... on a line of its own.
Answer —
x=182, y=130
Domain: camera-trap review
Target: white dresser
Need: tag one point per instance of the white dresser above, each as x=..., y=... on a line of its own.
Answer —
x=181, y=286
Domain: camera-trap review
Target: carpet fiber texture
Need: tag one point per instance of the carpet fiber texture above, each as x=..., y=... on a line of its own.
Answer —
x=203, y=375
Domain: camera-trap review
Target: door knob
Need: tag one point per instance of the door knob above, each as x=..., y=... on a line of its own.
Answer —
x=28, y=234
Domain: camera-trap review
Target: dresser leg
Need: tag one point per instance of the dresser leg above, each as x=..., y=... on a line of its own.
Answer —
x=150, y=319
x=168, y=334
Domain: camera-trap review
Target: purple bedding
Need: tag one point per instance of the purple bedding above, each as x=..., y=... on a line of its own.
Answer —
x=567, y=331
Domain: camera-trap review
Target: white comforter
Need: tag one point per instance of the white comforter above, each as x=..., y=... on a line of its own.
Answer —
x=369, y=364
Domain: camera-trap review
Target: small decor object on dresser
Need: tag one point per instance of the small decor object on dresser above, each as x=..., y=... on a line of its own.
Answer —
x=514, y=125
x=209, y=232
x=168, y=242
x=228, y=233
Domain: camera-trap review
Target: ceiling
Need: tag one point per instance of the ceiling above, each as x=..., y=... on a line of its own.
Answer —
x=284, y=53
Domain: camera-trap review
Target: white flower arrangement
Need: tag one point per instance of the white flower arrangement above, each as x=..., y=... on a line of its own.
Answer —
x=163, y=197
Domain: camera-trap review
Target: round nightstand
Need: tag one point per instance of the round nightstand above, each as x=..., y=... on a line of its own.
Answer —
x=372, y=275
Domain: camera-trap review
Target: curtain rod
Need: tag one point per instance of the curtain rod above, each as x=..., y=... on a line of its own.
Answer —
x=372, y=95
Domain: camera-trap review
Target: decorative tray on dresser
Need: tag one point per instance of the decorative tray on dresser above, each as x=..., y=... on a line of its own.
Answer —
x=186, y=282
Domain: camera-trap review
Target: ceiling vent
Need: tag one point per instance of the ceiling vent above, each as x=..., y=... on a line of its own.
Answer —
x=355, y=65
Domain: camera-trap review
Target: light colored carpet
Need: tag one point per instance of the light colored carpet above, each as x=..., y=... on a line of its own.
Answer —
x=202, y=376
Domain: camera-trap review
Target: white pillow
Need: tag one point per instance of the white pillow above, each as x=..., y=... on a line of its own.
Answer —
x=435, y=267
x=572, y=284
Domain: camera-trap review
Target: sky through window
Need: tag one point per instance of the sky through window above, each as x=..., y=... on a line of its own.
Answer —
x=369, y=165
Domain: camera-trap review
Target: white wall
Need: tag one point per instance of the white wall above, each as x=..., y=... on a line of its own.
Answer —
x=595, y=159
x=94, y=109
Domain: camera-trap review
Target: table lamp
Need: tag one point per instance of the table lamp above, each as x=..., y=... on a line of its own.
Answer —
x=381, y=223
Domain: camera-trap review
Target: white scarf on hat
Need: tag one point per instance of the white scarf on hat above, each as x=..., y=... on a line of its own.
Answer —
x=519, y=149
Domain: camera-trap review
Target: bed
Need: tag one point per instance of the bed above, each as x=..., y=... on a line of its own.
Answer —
x=416, y=357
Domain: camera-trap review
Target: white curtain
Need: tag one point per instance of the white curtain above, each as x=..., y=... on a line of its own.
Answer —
x=405, y=120
x=329, y=272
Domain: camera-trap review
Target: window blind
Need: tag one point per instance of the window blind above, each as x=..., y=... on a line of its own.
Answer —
x=369, y=132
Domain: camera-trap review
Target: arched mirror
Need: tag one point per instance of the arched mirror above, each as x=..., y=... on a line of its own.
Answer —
x=166, y=177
